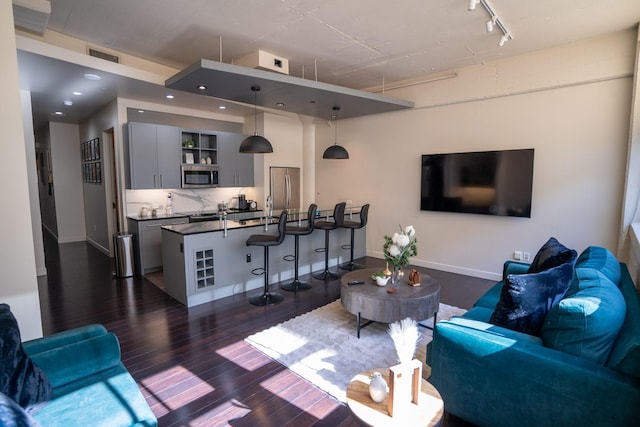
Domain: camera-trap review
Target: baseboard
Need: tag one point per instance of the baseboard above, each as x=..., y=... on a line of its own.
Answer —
x=446, y=267
x=99, y=247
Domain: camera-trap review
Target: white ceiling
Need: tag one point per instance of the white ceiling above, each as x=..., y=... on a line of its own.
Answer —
x=352, y=43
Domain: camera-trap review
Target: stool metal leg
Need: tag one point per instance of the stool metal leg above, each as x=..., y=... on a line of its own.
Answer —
x=296, y=284
x=326, y=274
x=267, y=297
x=350, y=266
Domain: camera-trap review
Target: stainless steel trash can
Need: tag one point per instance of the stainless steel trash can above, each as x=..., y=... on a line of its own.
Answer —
x=123, y=249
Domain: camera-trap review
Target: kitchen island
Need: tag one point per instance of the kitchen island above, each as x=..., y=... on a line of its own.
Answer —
x=205, y=261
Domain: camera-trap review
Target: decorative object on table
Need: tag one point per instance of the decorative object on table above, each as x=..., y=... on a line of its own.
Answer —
x=380, y=278
x=377, y=387
x=382, y=281
x=398, y=249
x=404, y=378
x=386, y=271
x=414, y=278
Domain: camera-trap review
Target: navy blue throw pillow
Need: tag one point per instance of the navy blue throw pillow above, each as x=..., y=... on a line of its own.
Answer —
x=13, y=415
x=20, y=378
x=525, y=299
x=552, y=254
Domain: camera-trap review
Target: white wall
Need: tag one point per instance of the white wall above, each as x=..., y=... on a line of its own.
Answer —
x=99, y=227
x=571, y=104
x=32, y=177
x=67, y=181
x=19, y=286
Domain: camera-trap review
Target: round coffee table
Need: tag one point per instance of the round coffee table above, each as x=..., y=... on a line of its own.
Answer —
x=373, y=303
x=428, y=412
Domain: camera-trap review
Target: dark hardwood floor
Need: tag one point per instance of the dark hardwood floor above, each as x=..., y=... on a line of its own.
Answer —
x=193, y=365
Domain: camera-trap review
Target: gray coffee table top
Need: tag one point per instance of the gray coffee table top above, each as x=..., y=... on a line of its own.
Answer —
x=372, y=302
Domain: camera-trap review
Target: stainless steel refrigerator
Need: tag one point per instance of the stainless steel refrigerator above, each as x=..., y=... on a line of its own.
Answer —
x=285, y=187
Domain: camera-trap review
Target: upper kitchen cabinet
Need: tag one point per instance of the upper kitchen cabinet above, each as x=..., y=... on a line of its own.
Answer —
x=154, y=156
x=236, y=169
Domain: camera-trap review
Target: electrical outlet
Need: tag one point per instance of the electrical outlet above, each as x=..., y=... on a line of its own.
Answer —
x=349, y=202
x=248, y=257
x=517, y=255
x=526, y=256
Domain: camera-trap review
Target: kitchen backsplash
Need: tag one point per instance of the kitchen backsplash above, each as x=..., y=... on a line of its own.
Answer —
x=185, y=200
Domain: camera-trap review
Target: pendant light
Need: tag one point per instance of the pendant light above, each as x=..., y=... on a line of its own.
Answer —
x=255, y=143
x=335, y=151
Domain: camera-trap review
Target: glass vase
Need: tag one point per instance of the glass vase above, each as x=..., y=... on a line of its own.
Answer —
x=396, y=275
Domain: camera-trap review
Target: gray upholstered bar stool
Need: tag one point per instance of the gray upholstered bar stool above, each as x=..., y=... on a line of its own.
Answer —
x=327, y=226
x=354, y=225
x=266, y=240
x=297, y=231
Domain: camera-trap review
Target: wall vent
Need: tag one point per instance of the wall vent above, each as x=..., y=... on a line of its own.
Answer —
x=103, y=55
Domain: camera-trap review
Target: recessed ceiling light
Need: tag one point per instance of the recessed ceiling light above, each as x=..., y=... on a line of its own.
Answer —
x=202, y=87
x=170, y=96
x=77, y=93
x=280, y=104
x=92, y=76
x=222, y=107
x=68, y=103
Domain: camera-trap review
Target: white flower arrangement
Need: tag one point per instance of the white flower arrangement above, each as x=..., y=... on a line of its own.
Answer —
x=399, y=247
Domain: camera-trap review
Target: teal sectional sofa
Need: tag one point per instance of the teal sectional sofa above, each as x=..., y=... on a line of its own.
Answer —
x=582, y=369
x=84, y=381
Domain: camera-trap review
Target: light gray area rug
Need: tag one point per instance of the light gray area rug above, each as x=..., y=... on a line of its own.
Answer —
x=321, y=346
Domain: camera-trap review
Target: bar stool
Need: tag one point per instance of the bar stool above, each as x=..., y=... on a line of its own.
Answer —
x=354, y=225
x=297, y=231
x=327, y=226
x=266, y=240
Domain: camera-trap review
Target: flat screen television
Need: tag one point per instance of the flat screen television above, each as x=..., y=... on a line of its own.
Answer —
x=486, y=182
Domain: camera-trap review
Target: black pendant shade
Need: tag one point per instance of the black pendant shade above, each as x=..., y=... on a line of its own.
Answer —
x=335, y=151
x=255, y=143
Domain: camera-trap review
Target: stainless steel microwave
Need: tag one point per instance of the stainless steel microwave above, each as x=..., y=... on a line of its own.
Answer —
x=199, y=176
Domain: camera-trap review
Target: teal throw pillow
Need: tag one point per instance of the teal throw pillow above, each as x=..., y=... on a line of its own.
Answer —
x=587, y=321
x=602, y=260
x=525, y=299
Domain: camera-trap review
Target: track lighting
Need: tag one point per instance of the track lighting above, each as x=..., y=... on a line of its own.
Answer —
x=491, y=24
x=493, y=21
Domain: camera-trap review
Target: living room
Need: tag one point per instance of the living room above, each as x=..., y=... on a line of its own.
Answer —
x=573, y=103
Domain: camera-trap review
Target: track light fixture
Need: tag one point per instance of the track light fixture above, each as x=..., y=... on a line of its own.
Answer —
x=493, y=22
x=335, y=151
x=255, y=143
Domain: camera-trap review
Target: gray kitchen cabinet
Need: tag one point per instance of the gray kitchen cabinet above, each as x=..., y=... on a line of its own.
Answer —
x=236, y=169
x=154, y=156
x=148, y=242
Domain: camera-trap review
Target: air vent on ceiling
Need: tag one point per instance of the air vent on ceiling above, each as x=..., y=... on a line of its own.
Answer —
x=264, y=61
x=32, y=15
x=103, y=55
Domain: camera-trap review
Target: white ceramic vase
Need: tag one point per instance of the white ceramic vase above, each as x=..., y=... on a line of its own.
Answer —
x=377, y=387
